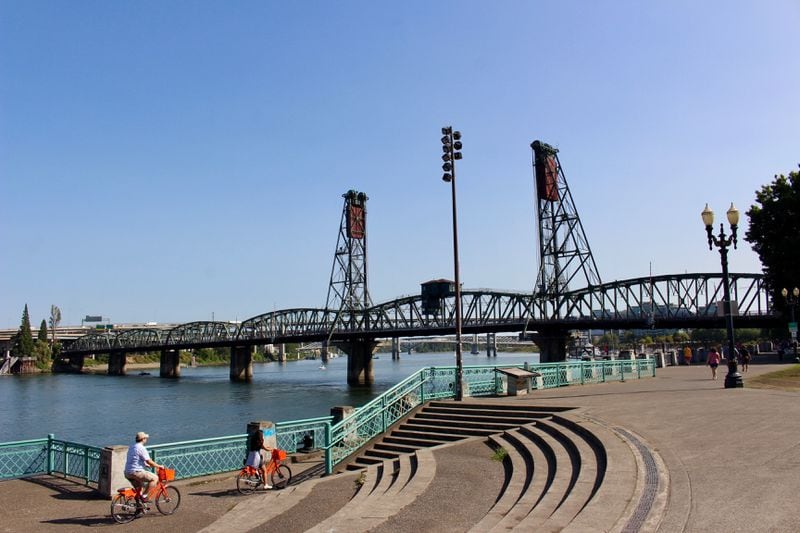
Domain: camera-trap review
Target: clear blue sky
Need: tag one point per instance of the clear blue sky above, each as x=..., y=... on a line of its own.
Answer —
x=163, y=161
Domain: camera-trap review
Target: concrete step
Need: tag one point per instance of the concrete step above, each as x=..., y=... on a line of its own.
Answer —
x=560, y=476
x=585, y=473
x=459, y=428
x=425, y=438
x=475, y=415
x=519, y=472
x=385, y=445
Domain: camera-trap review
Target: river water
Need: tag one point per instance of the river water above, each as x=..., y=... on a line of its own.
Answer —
x=103, y=410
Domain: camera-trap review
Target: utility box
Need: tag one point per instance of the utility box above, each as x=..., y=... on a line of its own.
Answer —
x=519, y=381
x=434, y=292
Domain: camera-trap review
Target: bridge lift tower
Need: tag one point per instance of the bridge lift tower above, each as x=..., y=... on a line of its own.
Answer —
x=565, y=258
x=348, y=291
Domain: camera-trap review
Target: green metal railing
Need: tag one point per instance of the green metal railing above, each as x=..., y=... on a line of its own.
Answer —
x=50, y=456
x=338, y=441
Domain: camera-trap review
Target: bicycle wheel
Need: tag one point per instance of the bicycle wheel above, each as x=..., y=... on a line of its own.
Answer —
x=168, y=500
x=281, y=477
x=123, y=509
x=247, y=483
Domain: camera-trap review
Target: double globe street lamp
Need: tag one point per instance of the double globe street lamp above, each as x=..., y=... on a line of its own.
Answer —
x=451, y=146
x=722, y=241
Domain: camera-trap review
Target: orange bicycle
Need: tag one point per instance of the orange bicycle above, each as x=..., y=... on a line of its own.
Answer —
x=249, y=478
x=128, y=503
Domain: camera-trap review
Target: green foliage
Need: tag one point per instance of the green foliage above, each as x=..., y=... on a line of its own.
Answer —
x=500, y=454
x=42, y=353
x=774, y=232
x=42, y=336
x=23, y=340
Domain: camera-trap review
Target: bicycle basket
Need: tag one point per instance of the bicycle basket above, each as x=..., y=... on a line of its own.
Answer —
x=166, y=474
x=279, y=455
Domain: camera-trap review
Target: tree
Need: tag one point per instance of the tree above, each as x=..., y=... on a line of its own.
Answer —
x=55, y=320
x=42, y=336
x=23, y=340
x=774, y=232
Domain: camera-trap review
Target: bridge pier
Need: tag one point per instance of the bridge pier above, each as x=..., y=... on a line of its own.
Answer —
x=360, y=372
x=552, y=344
x=241, y=363
x=395, y=348
x=475, y=350
x=281, y=353
x=170, y=364
x=117, y=364
x=323, y=352
x=491, y=345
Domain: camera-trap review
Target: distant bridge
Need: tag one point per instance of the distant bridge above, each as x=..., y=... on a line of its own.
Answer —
x=545, y=316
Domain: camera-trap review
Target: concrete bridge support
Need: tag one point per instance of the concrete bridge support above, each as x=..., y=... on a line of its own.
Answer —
x=170, y=364
x=552, y=343
x=491, y=345
x=281, y=353
x=395, y=348
x=117, y=364
x=475, y=350
x=323, y=352
x=360, y=372
x=241, y=363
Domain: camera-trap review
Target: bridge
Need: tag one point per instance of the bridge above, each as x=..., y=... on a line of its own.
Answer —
x=544, y=316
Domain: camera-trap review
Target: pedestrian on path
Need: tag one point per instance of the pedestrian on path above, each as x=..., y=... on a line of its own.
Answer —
x=744, y=353
x=713, y=361
x=687, y=354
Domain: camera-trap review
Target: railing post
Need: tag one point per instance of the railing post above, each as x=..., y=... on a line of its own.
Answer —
x=422, y=386
x=328, y=449
x=638, y=369
x=86, y=464
x=583, y=371
x=50, y=438
x=383, y=413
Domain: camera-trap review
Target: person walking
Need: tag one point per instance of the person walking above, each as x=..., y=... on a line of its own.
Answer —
x=713, y=361
x=687, y=354
x=744, y=353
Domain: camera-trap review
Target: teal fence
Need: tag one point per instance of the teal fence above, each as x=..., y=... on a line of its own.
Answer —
x=339, y=440
x=50, y=456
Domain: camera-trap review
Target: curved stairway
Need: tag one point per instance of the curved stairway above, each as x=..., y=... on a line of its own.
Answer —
x=563, y=471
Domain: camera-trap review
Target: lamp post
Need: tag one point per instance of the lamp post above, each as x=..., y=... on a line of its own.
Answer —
x=721, y=241
x=792, y=301
x=451, y=146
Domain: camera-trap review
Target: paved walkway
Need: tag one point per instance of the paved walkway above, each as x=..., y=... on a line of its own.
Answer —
x=732, y=458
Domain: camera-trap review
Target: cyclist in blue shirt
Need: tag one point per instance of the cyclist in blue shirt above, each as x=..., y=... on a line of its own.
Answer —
x=137, y=461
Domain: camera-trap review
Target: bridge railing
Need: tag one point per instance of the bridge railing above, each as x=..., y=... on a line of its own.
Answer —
x=50, y=456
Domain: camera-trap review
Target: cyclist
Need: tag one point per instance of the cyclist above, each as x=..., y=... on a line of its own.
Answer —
x=138, y=458
x=259, y=455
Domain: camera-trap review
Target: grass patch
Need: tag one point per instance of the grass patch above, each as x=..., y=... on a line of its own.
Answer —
x=500, y=454
x=787, y=379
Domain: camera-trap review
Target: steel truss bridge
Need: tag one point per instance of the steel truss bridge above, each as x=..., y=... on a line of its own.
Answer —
x=352, y=322
x=664, y=302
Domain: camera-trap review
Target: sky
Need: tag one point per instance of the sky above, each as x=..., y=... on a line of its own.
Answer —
x=179, y=161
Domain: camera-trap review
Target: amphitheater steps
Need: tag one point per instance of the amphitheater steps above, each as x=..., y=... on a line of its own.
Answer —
x=384, y=496
x=564, y=472
x=438, y=423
